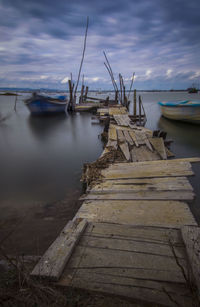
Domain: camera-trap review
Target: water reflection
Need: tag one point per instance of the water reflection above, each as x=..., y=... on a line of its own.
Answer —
x=41, y=127
x=186, y=133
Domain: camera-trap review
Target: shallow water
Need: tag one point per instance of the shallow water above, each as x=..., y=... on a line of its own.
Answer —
x=41, y=162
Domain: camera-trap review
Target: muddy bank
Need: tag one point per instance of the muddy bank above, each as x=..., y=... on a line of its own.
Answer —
x=29, y=227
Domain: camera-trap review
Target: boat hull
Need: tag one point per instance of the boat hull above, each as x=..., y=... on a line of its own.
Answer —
x=41, y=106
x=189, y=114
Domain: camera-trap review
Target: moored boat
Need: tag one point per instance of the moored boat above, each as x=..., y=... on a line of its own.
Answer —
x=188, y=110
x=40, y=104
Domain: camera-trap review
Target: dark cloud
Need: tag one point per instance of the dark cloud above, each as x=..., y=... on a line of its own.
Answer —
x=148, y=34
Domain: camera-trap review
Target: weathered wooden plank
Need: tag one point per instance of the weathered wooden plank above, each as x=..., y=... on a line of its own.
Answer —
x=124, y=264
x=158, y=145
x=140, y=137
x=128, y=137
x=144, y=290
x=55, y=258
x=117, y=110
x=140, y=233
x=125, y=150
x=138, y=170
x=120, y=136
x=156, y=163
x=148, y=184
x=191, y=238
x=133, y=195
x=103, y=110
x=132, y=245
x=108, y=257
x=112, y=134
x=133, y=136
x=116, y=118
x=141, y=212
x=142, y=153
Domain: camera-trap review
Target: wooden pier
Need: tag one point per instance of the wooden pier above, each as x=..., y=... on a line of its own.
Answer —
x=134, y=234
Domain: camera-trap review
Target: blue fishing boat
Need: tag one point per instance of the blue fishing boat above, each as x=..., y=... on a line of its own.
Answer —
x=40, y=104
x=188, y=110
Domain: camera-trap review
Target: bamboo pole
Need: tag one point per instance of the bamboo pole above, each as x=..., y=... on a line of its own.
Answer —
x=120, y=84
x=83, y=54
x=70, y=105
x=86, y=92
x=82, y=93
x=134, y=104
x=15, y=106
x=111, y=72
x=116, y=96
x=140, y=110
x=131, y=85
x=111, y=76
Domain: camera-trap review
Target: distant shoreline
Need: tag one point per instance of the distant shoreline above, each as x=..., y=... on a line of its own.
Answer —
x=12, y=91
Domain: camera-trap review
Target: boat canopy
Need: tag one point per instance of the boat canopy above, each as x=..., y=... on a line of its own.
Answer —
x=189, y=103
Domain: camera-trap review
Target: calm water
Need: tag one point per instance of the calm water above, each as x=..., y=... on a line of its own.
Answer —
x=41, y=162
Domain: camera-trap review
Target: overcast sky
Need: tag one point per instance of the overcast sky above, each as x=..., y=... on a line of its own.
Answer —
x=41, y=42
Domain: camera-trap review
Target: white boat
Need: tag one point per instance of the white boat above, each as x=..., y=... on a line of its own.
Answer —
x=188, y=110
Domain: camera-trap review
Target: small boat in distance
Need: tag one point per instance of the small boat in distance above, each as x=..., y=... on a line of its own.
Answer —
x=188, y=110
x=42, y=105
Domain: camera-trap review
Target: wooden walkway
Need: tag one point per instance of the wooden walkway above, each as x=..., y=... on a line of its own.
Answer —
x=129, y=237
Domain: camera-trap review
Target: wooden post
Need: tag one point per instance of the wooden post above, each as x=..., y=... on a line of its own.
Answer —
x=124, y=94
x=82, y=93
x=140, y=110
x=15, y=106
x=132, y=79
x=70, y=105
x=110, y=72
x=86, y=93
x=134, y=104
x=116, y=97
x=120, y=83
x=83, y=54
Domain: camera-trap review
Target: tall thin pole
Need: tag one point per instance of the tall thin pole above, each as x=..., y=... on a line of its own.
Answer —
x=15, y=106
x=111, y=76
x=84, y=47
x=131, y=85
x=134, y=104
x=116, y=88
x=140, y=110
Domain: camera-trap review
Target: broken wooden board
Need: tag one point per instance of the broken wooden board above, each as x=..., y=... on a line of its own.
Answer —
x=120, y=136
x=142, y=139
x=55, y=258
x=147, y=170
x=173, y=214
x=103, y=110
x=125, y=150
x=135, y=262
x=112, y=133
x=159, y=146
x=162, y=162
x=147, y=184
x=133, y=136
x=191, y=238
x=142, y=153
x=117, y=110
x=122, y=119
x=128, y=137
